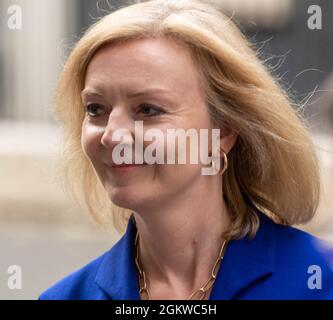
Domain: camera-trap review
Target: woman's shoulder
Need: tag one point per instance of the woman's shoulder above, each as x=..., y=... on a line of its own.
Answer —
x=300, y=246
x=279, y=263
x=303, y=264
x=79, y=285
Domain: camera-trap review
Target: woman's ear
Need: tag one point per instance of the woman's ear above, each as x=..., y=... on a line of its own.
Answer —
x=228, y=139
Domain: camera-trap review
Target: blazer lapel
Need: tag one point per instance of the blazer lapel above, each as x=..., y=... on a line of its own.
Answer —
x=117, y=274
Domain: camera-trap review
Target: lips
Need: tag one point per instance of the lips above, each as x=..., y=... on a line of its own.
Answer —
x=125, y=168
x=120, y=165
x=127, y=165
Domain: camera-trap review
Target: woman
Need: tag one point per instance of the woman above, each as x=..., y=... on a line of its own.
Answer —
x=183, y=64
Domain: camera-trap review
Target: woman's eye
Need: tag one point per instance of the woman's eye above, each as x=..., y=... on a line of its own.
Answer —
x=150, y=111
x=94, y=110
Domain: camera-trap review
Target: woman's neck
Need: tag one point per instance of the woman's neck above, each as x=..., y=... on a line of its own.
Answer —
x=180, y=243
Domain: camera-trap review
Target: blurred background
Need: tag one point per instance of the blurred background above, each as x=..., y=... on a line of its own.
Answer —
x=41, y=228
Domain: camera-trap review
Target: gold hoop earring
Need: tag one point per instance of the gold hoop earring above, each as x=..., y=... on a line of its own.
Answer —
x=225, y=163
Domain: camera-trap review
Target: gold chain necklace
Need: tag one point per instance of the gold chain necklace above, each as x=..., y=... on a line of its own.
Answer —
x=200, y=293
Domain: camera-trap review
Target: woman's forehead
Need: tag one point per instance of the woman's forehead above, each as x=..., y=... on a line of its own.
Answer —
x=150, y=62
x=145, y=55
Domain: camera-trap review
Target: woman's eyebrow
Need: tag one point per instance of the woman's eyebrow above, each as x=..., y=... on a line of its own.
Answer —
x=89, y=92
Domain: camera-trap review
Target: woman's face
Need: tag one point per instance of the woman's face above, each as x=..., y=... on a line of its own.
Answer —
x=150, y=80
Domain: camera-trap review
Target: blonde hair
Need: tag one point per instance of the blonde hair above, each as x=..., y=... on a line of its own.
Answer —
x=273, y=164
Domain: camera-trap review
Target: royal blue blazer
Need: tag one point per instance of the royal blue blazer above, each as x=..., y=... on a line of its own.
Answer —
x=276, y=264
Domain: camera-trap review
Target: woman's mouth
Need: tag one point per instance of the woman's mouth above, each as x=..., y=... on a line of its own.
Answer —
x=126, y=167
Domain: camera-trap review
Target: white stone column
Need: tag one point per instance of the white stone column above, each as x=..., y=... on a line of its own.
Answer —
x=33, y=56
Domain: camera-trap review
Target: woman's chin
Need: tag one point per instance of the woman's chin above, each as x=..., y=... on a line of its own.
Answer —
x=125, y=197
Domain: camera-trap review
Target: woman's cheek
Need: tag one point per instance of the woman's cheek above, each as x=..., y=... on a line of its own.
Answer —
x=90, y=140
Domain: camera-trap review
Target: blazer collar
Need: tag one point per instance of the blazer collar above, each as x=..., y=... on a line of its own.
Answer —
x=117, y=275
x=244, y=262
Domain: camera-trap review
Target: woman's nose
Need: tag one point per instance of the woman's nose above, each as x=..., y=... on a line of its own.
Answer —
x=119, y=129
